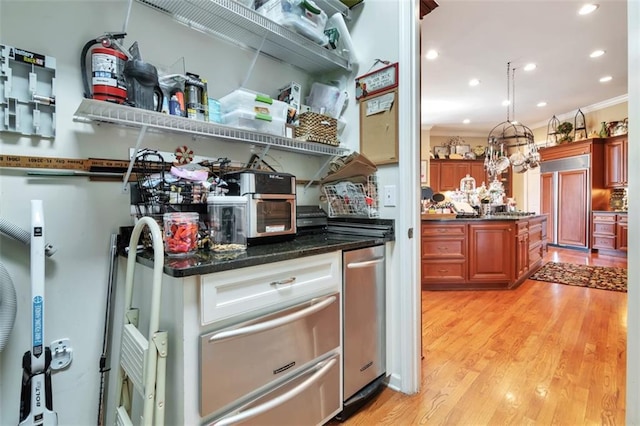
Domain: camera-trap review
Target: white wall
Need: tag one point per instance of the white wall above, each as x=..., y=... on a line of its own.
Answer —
x=81, y=215
x=387, y=30
x=633, y=296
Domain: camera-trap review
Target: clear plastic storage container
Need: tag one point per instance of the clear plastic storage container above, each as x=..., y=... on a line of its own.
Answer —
x=254, y=121
x=302, y=16
x=243, y=99
x=227, y=223
x=180, y=233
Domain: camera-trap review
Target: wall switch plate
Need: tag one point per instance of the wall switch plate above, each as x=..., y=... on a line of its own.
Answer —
x=389, y=196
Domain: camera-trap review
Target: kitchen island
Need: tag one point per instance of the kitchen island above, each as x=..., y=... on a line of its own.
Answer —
x=485, y=253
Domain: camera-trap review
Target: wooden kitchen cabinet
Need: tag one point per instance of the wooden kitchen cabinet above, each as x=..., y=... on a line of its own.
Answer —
x=443, y=252
x=445, y=175
x=434, y=175
x=522, y=248
x=481, y=254
x=621, y=232
x=451, y=173
x=490, y=252
x=609, y=234
x=537, y=238
x=616, y=162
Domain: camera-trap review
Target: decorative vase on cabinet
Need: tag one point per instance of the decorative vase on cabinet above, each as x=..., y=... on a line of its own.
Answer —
x=604, y=132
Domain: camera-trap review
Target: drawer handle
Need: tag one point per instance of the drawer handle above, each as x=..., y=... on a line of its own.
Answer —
x=366, y=263
x=267, y=325
x=283, y=282
x=443, y=270
x=279, y=400
x=441, y=249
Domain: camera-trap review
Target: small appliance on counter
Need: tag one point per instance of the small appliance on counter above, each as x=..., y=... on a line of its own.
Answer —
x=271, y=204
x=227, y=223
x=311, y=220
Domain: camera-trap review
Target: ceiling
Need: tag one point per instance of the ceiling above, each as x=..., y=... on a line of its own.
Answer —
x=477, y=38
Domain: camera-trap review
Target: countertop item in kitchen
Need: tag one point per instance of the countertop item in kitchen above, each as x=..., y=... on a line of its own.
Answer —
x=206, y=262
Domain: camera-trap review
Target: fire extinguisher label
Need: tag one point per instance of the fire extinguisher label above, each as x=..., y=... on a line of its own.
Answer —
x=105, y=69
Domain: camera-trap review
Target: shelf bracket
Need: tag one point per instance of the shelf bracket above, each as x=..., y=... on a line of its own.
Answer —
x=320, y=170
x=253, y=62
x=132, y=160
x=126, y=19
x=265, y=150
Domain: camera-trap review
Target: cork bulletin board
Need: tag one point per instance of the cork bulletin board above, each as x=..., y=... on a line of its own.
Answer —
x=379, y=127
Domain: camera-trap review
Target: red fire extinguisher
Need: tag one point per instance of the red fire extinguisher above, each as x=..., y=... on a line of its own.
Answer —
x=107, y=68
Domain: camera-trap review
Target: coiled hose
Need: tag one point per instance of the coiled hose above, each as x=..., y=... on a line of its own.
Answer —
x=8, y=306
x=8, y=300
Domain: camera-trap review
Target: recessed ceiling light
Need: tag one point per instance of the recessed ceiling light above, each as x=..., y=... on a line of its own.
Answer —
x=530, y=67
x=605, y=79
x=466, y=121
x=474, y=82
x=596, y=53
x=505, y=103
x=432, y=54
x=587, y=9
x=542, y=104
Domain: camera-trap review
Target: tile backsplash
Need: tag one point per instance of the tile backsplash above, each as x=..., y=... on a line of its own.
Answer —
x=618, y=200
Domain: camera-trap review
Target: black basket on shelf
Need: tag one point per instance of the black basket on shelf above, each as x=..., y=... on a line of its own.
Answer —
x=156, y=192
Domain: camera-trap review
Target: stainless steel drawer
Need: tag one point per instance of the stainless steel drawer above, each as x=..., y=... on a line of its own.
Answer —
x=241, y=360
x=310, y=398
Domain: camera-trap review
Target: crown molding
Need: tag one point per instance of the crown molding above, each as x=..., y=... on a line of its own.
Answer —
x=562, y=117
x=454, y=132
x=590, y=108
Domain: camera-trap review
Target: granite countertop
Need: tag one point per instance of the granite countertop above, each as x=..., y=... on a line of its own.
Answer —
x=494, y=217
x=206, y=262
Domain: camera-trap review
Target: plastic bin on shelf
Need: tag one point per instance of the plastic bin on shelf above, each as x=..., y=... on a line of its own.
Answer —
x=301, y=16
x=254, y=121
x=247, y=100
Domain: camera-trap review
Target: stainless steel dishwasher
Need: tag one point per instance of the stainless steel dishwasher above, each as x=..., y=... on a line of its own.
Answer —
x=364, y=326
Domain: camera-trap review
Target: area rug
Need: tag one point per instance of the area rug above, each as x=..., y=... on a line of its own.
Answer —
x=602, y=277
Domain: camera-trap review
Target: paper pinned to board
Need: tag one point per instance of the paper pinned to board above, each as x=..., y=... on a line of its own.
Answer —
x=380, y=104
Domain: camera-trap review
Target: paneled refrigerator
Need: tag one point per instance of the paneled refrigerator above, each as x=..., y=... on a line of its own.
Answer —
x=565, y=196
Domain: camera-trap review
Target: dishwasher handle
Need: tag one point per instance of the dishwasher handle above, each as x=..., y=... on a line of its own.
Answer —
x=267, y=325
x=279, y=400
x=365, y=264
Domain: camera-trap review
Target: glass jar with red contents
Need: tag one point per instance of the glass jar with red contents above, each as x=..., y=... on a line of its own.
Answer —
x=180, y=233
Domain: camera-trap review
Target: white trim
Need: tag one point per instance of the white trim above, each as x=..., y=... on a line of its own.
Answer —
x=394, y=382
x=632, y=403
x=562, y=117
x=454, y=132
x=590, y=108
x=408, y=304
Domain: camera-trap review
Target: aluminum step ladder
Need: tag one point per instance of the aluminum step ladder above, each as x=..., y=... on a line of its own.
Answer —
x=143, y=360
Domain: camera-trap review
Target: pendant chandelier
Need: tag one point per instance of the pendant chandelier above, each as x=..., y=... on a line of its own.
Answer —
x=510, y=144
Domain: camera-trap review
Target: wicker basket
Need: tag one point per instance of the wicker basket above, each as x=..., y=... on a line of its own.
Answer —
x=316, y=127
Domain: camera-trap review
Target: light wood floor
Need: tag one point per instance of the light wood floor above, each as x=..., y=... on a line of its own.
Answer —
x=541, y=354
